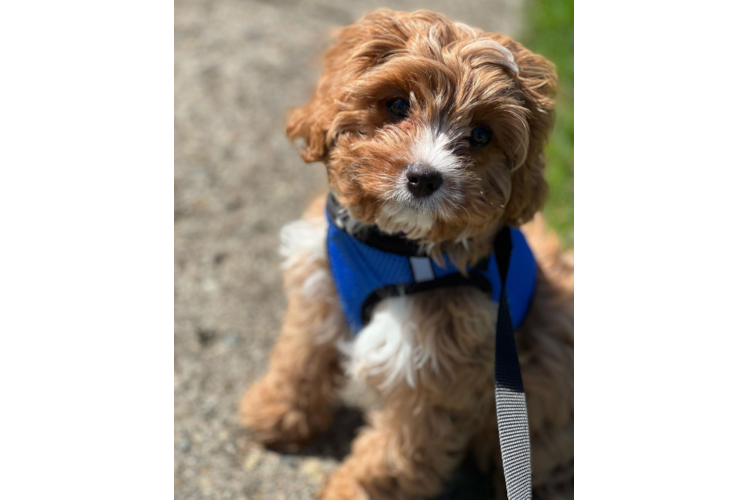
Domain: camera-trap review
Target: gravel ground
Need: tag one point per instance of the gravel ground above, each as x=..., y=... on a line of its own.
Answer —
x=239, y=66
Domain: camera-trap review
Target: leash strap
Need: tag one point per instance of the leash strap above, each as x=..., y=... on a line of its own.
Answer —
x=511, y=407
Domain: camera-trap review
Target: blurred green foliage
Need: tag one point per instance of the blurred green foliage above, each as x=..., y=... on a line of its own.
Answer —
x=547, y=35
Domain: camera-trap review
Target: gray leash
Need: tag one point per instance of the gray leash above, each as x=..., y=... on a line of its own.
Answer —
x=511, y=407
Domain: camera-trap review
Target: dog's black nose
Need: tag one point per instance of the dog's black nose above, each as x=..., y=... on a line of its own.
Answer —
x=423, y=181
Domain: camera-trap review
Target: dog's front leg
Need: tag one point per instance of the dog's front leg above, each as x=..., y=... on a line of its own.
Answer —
x=292, y=402
x=408, y=452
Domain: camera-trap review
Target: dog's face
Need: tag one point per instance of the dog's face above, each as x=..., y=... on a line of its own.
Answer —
x=429, y=128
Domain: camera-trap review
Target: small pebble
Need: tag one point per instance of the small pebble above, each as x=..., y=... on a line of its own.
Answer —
x=184, y=445
x=312, y=468
x=231, y=339
x=253, y=458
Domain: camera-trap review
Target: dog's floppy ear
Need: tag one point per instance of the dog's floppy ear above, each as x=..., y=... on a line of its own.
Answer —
x=310, y=123
x=357, y=47
x=537, y=83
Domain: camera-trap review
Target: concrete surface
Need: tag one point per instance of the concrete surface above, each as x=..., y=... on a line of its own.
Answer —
x=239, y=66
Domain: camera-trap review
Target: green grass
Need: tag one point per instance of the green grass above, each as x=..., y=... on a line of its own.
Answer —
x=547, y=35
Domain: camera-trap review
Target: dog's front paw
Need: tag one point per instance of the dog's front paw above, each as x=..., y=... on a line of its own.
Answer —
x=277, y=417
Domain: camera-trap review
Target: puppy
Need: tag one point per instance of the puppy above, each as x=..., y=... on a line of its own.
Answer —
x=432, y=134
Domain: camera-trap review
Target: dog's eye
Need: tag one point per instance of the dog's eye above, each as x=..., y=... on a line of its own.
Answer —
x=480, y=136
x=398, y=108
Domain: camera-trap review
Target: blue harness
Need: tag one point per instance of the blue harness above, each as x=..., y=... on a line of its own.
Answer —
x=368, y=266
x=373, y=266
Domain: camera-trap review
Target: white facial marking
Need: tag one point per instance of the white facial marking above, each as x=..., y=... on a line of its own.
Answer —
x=415, y=216
x=433, y=149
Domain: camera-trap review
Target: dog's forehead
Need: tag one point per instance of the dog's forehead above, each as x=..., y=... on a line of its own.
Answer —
x=475, y=72
x=468, y=53
x=451, y=74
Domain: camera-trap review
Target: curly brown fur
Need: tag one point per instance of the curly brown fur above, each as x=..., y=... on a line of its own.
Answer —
x=291, y=404
x=434, y=370
x=455, y=77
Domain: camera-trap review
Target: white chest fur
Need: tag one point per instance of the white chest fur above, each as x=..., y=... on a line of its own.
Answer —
x=388, y=346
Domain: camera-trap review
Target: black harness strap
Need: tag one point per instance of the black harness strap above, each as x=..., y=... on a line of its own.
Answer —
x=511, y=407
